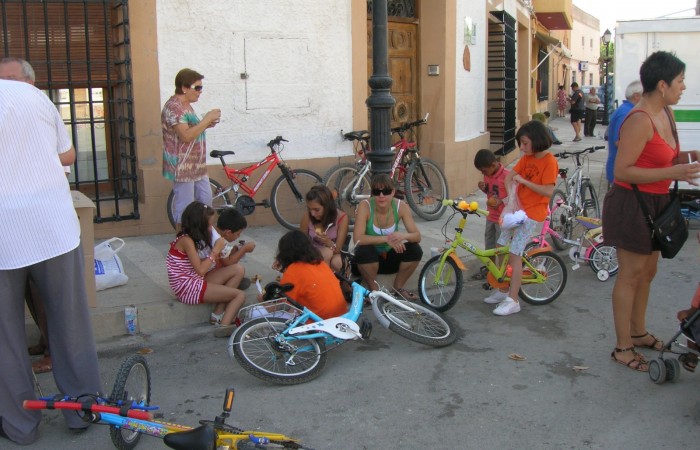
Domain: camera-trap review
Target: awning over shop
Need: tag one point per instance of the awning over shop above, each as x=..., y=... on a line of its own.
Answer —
x=547, y=38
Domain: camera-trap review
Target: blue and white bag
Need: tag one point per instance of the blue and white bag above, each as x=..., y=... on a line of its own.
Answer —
x=109, y=270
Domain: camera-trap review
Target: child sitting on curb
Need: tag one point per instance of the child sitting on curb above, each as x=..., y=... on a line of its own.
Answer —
x=195, y=279
x=230, y=225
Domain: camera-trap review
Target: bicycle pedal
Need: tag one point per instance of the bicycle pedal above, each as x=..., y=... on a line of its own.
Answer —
x=265, y=203
x=365, y=328
x=486, y=287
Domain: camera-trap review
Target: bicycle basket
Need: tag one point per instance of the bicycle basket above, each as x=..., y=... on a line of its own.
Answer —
x=271, y=308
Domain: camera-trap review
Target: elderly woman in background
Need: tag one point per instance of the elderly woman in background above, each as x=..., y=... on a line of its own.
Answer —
x=184, y=144
x=649, y=156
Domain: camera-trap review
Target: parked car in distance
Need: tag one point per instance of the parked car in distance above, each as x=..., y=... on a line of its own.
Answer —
x=599, y=92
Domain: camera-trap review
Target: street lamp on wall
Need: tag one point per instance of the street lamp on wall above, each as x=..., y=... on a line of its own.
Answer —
x=606, y=40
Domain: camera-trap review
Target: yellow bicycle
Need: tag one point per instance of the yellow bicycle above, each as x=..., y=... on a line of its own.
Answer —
x=128, y=413
x=440, y=281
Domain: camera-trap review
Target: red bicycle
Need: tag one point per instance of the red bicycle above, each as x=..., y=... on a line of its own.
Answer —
x=424, y=184
x=287, y=197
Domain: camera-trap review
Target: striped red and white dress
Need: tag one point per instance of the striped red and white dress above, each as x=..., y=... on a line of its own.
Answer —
x=184, y=281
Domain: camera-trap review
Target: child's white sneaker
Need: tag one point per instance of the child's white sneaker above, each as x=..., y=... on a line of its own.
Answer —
x=507, y=307
x=215, y=319
x=496, y=297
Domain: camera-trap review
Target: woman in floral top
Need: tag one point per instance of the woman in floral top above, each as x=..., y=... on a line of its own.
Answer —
x=184, y=144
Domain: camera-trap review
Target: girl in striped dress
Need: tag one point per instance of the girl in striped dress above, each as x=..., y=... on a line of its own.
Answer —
x=195, y=279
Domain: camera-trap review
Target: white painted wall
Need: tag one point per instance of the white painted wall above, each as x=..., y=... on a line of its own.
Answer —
x=296, y=54
x=470, y=89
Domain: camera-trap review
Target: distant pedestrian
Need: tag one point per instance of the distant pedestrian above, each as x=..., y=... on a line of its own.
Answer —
x=592, y=102
x=577, y=108
x=633, y=94
x=562, y=101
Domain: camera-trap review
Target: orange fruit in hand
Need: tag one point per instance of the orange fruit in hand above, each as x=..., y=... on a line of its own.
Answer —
x=492, y=201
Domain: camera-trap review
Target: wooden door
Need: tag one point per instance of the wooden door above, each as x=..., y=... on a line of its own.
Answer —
x=403, y=68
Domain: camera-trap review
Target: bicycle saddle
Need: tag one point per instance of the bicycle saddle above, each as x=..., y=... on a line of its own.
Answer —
x=356, y=135
x=563, y=171
x=200, y=438
x=275, y=290
x=220, y=153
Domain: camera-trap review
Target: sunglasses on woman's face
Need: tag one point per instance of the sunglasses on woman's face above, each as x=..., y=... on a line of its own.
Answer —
x=197, y=88
x=386, y=191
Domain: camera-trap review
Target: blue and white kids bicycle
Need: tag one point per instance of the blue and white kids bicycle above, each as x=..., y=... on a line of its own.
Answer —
x=293, y=351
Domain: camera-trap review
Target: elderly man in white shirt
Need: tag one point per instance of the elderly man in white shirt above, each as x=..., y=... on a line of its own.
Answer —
x=39, y=236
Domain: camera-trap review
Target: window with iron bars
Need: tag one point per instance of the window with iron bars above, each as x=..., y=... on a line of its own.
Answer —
x=80, y=52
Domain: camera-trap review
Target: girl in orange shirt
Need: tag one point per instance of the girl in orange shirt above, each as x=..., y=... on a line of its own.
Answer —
x=535, y=175
x=315, y=285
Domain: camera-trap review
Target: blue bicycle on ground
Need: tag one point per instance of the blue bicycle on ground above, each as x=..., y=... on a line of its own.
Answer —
x=293, y=351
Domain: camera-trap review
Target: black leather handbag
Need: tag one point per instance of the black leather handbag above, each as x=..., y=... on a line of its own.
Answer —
x=669, y=229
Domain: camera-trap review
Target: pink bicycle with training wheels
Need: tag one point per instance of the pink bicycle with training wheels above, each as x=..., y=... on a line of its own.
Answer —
x=590, y=247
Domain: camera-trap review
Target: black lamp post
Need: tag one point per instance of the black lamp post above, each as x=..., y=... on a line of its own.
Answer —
x=380, y=100
x=606, y=40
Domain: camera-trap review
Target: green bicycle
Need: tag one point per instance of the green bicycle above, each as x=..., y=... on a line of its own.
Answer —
x=440, y=281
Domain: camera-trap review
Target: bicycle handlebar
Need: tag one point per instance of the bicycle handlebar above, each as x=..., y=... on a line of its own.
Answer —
x=564, y=155
x=276, y=141
x=408, y=125
x=88, y=406
x=463, y=207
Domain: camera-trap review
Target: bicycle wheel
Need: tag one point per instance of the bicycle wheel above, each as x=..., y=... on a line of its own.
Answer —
x=562, y=219
x=219, y=200
x=554, y=269
x=425, y=188
x=603, y=257
x=344, y=181
x=288, y=203
x=256, y=349
x=589, y=200
x=133, y=384
x=422, y=324
x=440, y=292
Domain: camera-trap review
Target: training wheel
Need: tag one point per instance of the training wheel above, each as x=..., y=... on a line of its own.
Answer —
x=603, y=275
x=657, y=371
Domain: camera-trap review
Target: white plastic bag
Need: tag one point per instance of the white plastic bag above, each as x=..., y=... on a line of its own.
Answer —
x=109, y=271
x=512, y=215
